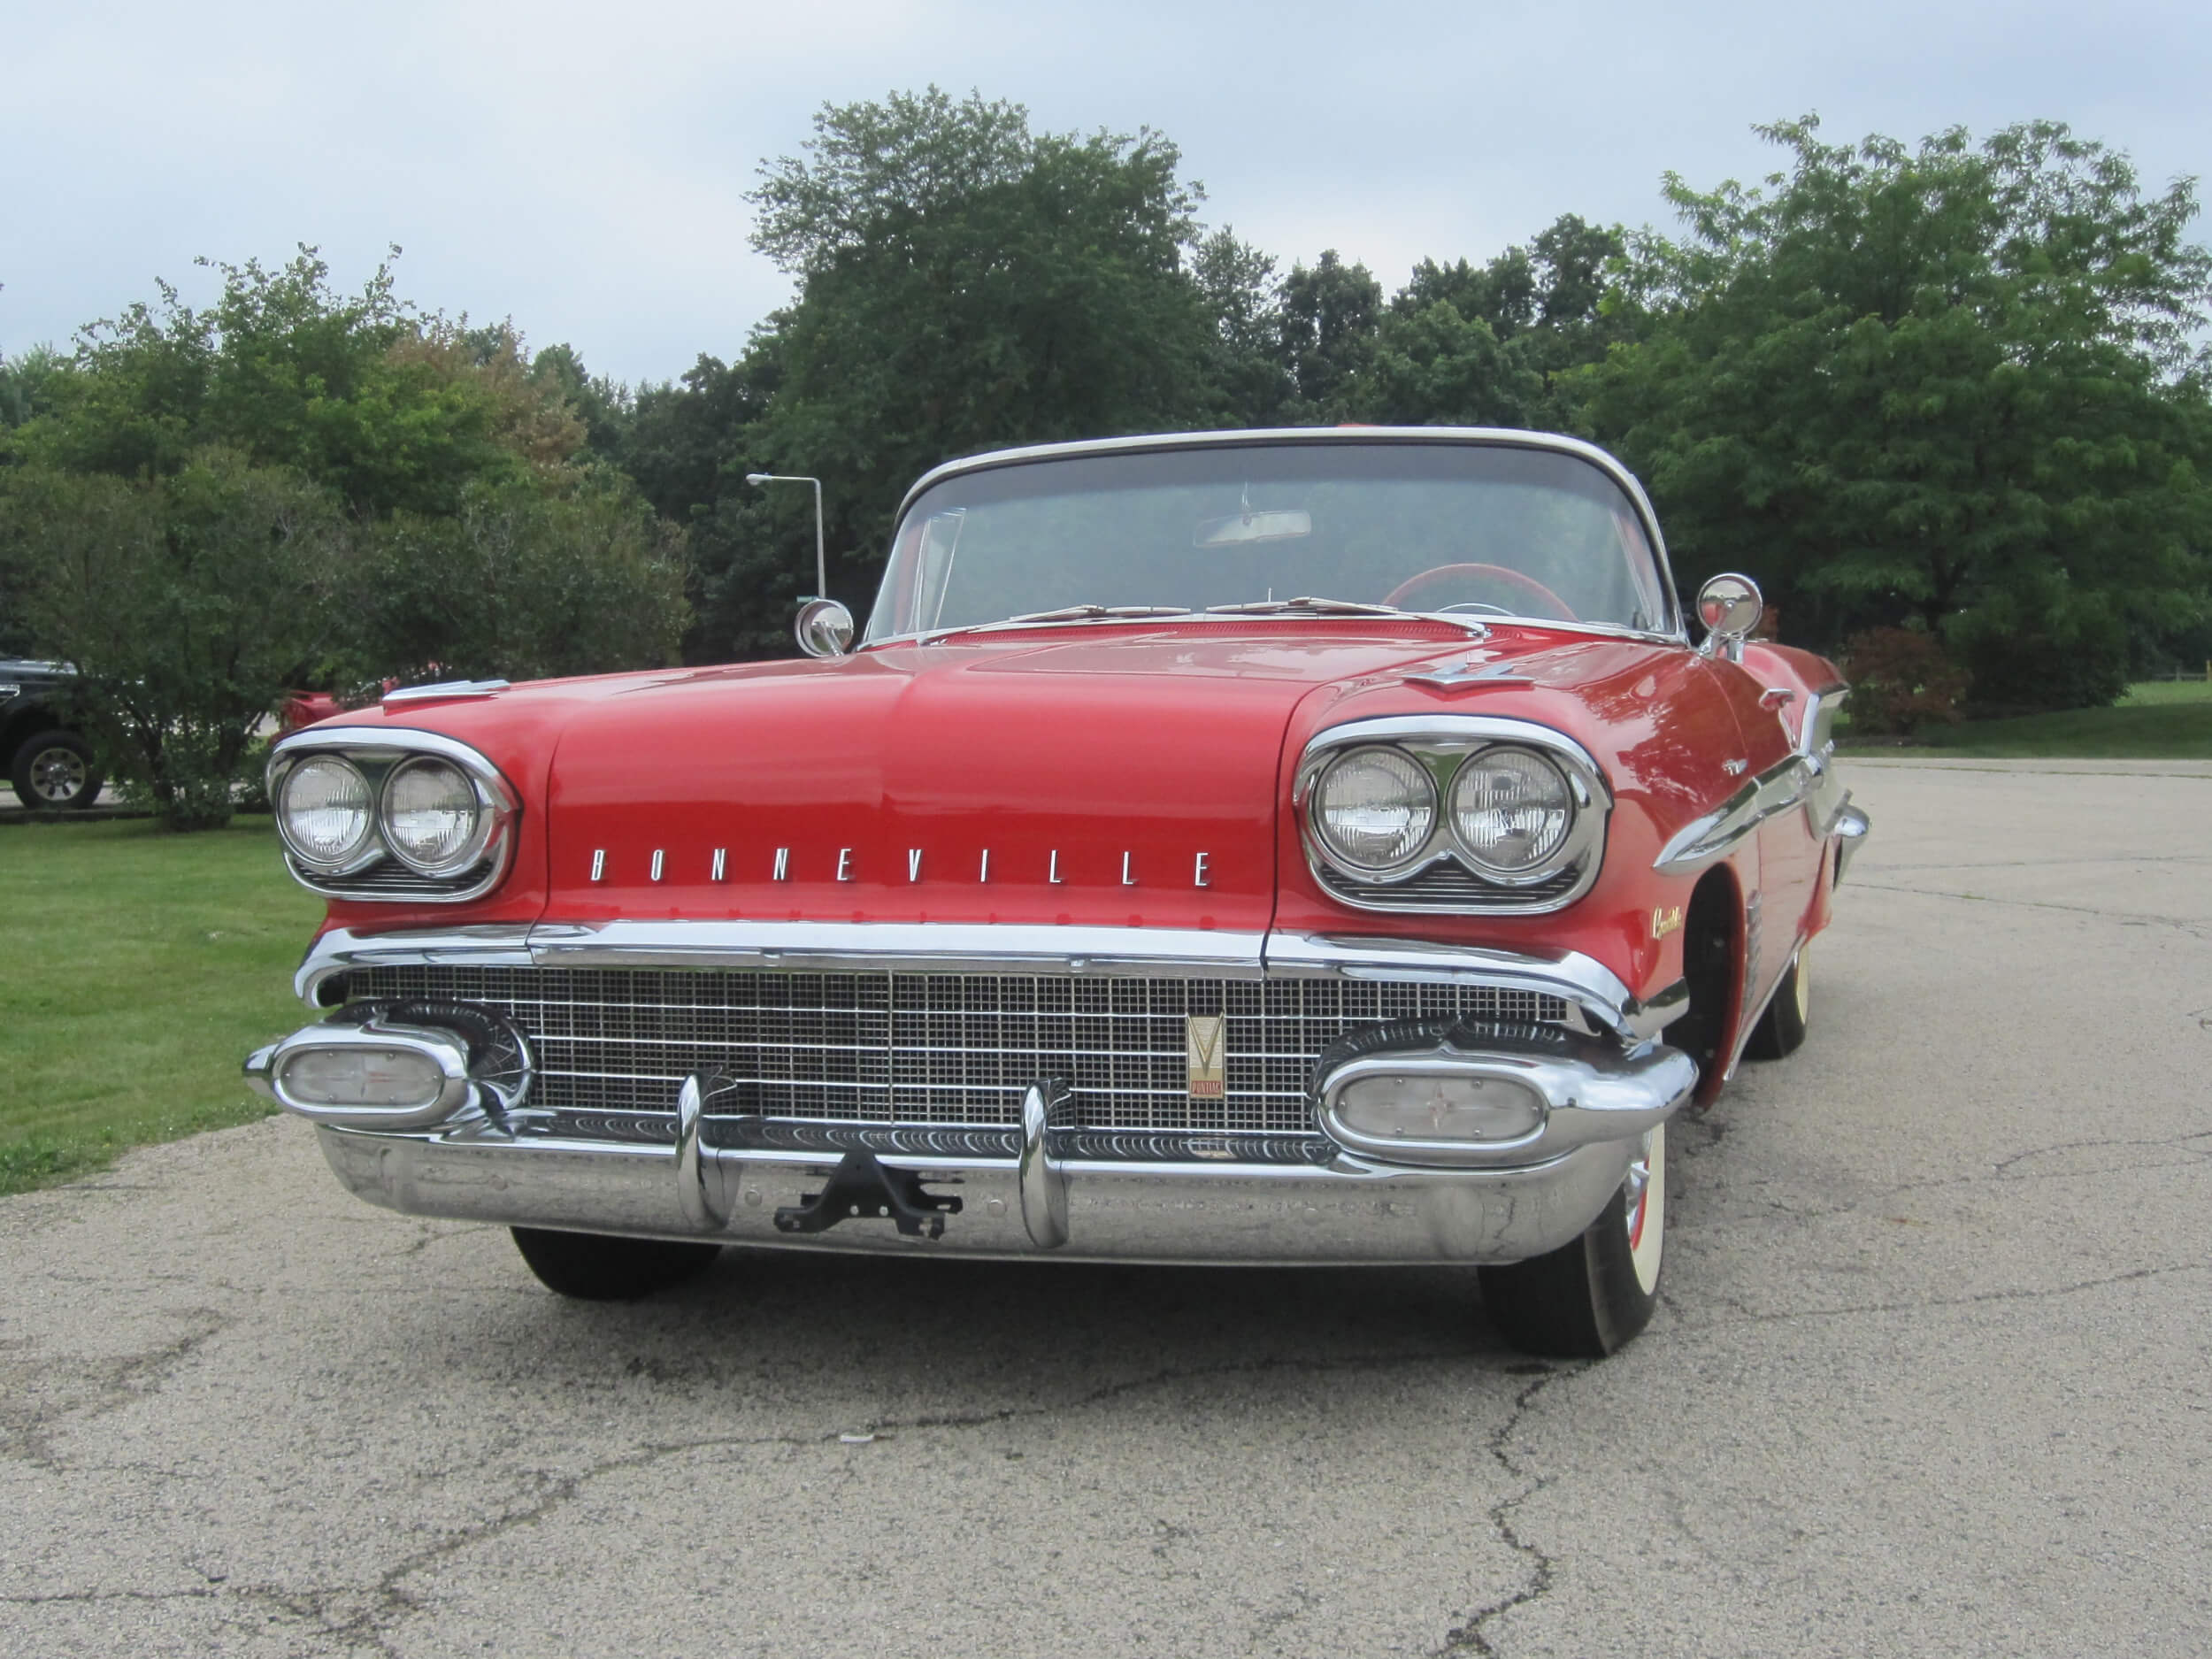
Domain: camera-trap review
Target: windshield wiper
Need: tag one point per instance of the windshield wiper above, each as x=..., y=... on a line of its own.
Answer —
x=1316, y=607
x=1085, y=613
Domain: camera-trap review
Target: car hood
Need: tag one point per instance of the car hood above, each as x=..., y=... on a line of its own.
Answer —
x=1119, y=780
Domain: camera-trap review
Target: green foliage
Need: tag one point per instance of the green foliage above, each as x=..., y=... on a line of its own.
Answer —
x=188, y=603
x=28, y=385
x=1953, y=381
x=1432, y=366
x=390, y=409
x=206, y=508
x=1330, y=313
x=2142, y=727
x=964, y=283
x=520, y=584
x=1488, y=345
x=1901, y=680
x=1249, y=381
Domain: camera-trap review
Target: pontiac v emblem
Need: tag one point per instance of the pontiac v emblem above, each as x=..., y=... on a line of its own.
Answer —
x=1204, y=1040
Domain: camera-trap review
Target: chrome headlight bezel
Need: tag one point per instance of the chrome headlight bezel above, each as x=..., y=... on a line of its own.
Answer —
x=1443, y=744
x=380, y=872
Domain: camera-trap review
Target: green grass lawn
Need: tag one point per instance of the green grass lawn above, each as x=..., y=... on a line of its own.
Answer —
x=138, y=969
x=2156, y=720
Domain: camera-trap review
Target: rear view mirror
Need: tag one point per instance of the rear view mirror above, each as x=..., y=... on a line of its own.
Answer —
x=1241, y=529
x=1730, y=607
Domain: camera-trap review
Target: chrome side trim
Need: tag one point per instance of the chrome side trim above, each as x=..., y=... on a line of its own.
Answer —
x=1776, y=790
x=1607, y=1004
x=1441, y=743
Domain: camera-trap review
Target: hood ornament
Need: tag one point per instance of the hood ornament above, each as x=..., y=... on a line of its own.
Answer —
x=1466, y=676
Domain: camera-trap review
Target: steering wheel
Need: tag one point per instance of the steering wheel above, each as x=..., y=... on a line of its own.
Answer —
x=1554, y=607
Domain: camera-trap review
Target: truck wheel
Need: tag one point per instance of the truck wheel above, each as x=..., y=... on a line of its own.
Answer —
x=1588, y=1298
x=1781, y=1029
x=598, y=1267
x=54, y=771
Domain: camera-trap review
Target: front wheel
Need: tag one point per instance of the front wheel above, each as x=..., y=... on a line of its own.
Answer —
x=1588, y=1298
x=55, y=771
x=599, y=1267
x=1781, y=1029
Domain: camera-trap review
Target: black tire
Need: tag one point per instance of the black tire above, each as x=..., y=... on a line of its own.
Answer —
x=598, y=1267
x=55, y=771
x=1587, y=1298
x=1781, y=1029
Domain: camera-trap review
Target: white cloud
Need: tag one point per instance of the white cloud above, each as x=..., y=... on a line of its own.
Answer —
x=581, y=167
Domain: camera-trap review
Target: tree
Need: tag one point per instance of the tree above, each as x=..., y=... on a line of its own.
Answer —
x=1329, y=314
x=393, y=410
x=1250, y=381
x=1488, y=345
x=964, y=283
x=521, y=584
x=188, y=603
x=1957, y=382
x=186, y=495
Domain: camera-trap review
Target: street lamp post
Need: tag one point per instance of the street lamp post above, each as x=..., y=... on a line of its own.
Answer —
x=821, y=558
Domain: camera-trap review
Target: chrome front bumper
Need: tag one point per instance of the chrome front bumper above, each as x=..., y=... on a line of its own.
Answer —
x=1602, y=1090
x=1347, y=1213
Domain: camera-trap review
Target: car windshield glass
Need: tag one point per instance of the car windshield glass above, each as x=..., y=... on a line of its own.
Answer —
x=1478, y=530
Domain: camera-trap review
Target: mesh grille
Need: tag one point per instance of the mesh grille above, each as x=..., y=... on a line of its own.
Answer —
x=1447, y=885
x=391, y=879
x=952, y=1048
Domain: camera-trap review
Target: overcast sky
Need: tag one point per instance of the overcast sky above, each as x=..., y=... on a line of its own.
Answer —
x=582, y=168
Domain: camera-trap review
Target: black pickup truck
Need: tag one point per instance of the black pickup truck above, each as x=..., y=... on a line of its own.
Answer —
x=50, y=762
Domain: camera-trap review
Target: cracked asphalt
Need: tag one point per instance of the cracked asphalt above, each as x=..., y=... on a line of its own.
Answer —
x=1930, y=1377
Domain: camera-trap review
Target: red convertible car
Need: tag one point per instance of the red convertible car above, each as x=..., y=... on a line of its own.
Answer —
x=1254, y=847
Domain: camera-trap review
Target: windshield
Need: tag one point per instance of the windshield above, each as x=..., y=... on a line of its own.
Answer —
x=1477, y=530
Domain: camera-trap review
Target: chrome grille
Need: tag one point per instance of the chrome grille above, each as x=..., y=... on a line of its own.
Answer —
x=950, y=1048
x=391, y=879
x=1448, y=885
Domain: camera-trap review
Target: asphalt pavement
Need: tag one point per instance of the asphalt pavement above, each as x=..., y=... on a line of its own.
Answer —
x=1931, y=1375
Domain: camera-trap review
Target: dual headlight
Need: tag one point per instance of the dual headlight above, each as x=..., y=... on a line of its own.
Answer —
x=342, y=814
x=1515, y=814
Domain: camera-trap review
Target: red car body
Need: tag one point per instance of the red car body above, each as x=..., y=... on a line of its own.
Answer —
x=1136, y=781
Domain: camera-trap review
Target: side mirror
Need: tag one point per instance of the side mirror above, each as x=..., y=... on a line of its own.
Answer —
x=824, y=628
x=1730, y=607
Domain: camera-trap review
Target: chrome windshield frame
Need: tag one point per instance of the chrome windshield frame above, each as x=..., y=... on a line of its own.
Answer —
x=1493, y=437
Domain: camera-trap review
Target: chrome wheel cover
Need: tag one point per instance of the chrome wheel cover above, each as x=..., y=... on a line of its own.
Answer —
x=1644, y=1195
x=57, y=774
